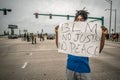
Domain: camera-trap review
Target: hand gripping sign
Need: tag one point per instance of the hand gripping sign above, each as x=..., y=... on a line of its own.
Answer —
x=80, y=38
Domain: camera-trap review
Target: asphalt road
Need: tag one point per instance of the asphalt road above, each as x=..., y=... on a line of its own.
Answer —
x=20, y=60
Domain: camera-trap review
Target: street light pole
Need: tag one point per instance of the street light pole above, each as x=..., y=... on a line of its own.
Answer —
x=110, y=15
x=109, y=1
x=115, y=19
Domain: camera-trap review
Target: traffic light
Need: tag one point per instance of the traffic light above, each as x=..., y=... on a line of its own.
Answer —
x=50, y=16
x=5, y=11
x=36, y=15
x=9, y=10
x=68, y=17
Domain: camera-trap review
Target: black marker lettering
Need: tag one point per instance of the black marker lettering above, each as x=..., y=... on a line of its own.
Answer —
x=91, y=30
x=69, y=36
x=77, y=50
x=82, y=38
x=72, y=46
x=88, y=50
x=95, y=52
x=64, y=46
x=76, y=37
x=83, y=49
x=64, y=37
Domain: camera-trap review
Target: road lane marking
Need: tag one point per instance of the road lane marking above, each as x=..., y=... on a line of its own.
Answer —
x=24, y=65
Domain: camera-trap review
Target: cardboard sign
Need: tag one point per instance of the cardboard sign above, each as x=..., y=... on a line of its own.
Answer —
x=80, y=38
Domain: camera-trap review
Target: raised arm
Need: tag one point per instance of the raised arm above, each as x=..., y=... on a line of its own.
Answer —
x=104, y=32
x=56, y=31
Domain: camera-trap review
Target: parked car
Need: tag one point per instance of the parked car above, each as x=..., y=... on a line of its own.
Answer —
x=51, y=36
x=15, y=36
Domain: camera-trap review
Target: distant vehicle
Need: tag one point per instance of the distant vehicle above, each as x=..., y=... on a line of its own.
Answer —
x=51, y=36
x=15, y=36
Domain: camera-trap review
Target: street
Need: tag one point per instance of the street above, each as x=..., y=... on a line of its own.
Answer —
x=21, y=60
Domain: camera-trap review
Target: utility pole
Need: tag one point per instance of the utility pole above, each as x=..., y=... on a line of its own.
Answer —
x=110, y=2
x=115, y=19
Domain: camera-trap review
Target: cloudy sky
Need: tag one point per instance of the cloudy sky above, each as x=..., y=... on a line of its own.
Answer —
x=22, y=13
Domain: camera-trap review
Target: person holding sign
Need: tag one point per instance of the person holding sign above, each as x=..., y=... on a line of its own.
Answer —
x=78, y=66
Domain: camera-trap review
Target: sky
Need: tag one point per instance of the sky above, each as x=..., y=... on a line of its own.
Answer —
x=23, y=10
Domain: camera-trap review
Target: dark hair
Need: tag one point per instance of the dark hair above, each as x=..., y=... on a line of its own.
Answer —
x=83, y=13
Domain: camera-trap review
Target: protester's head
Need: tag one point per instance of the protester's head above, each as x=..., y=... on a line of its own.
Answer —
x=81, y=15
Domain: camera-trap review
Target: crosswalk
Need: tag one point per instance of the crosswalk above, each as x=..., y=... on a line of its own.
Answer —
x=110, y=44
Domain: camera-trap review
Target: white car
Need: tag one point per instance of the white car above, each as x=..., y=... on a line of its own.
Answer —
x=51, y=36
x=13, y=36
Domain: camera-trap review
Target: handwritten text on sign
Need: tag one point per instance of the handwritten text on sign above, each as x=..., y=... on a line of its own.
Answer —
x=79, y=38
